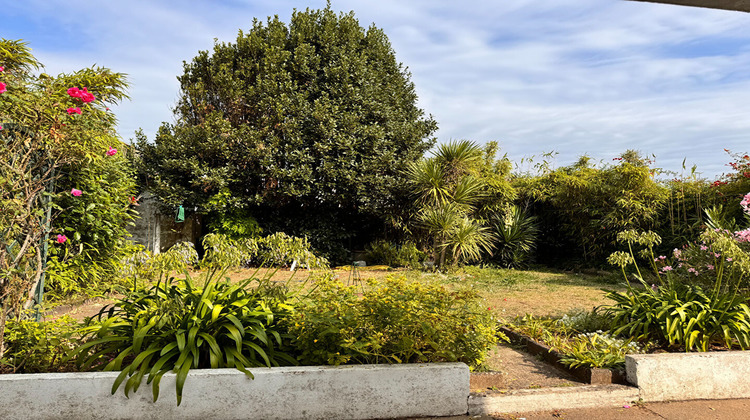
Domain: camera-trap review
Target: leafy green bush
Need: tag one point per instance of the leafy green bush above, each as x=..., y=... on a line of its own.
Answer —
x=574, y=337
x=580, y=208
x=677, y=312
x=181, y=326
x=33, y=347
x=597, y=349
x=280, y=249
x=682, y=315
x=95, y=223
x=395, y=321
x=394, y=255
x=583, y=321
x=234, y=224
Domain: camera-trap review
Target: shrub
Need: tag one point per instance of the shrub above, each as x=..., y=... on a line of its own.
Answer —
x=578, y=339
x=597, y=349
x=34, y=347
x=683, y=316
x=394, y=255
x=676, y=311
x=395, y=321
x=583, y=321
x=181, y=326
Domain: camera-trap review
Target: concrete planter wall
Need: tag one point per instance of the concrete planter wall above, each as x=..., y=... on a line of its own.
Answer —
x=316, y=392
x=683, y=376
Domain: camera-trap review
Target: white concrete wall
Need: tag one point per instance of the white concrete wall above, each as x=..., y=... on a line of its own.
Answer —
x=683, y=376
x=343, y=392
x=520, y=400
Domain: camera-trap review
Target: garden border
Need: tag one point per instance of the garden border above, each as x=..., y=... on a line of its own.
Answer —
x=308, y=392
x=594, y=376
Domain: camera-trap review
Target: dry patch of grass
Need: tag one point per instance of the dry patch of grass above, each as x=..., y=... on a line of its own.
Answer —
x=509, y=293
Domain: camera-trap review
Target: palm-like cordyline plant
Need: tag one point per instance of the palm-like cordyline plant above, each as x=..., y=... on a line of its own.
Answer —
x=447, y=190
x=517, y=233
x=469, y=240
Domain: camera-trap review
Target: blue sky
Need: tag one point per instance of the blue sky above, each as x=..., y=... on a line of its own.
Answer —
x=576, y=77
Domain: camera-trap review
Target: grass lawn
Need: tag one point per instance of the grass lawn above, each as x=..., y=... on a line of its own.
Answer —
x=509, y=293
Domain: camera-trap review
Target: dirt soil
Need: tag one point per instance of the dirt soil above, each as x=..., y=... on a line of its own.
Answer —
x=511, y=368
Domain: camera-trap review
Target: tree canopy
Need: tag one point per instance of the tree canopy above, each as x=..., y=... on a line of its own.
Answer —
x=316, y=117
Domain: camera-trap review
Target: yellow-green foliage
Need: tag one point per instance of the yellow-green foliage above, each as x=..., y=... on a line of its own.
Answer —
x=395, y=321
x=581, y=207
x=33, y=347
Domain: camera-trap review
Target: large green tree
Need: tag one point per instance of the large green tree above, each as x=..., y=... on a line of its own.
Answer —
x=308, y=127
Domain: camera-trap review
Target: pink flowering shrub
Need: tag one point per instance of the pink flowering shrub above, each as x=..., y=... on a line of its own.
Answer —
x=699, y=297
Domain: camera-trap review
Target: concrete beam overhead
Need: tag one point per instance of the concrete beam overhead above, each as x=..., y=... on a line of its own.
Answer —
x=737, y=5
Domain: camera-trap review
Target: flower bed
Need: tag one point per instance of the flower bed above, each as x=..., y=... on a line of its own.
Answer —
x=585, y=374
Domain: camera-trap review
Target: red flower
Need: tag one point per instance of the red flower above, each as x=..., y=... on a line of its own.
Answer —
x=87, y=97
x=111, y=151
x=75, y=110
x=2, y=87
x=74, y=92
x=61, y=239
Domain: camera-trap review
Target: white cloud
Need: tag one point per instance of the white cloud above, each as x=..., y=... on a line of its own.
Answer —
x=583, y=76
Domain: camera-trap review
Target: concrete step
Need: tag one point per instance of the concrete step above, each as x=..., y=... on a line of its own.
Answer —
x=522, y=400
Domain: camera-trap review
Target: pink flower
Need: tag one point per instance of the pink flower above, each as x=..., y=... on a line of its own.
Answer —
x=717, y=255
x=61, y=239
x=2, y=68
x=87, y=97
x=745, y=203
x=2, y=87
x=742, y=235
x=704, y=248
x=74, y=92
x=729, y=260
x=666, y=268
x=1, y=127
x=76, y=193
x=710, y=266
x=75, y=110
x=112, y=151
x=662, y=257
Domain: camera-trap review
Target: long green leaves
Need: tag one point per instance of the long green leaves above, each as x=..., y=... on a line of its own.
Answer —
x=178, y=327
x=683, y=316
